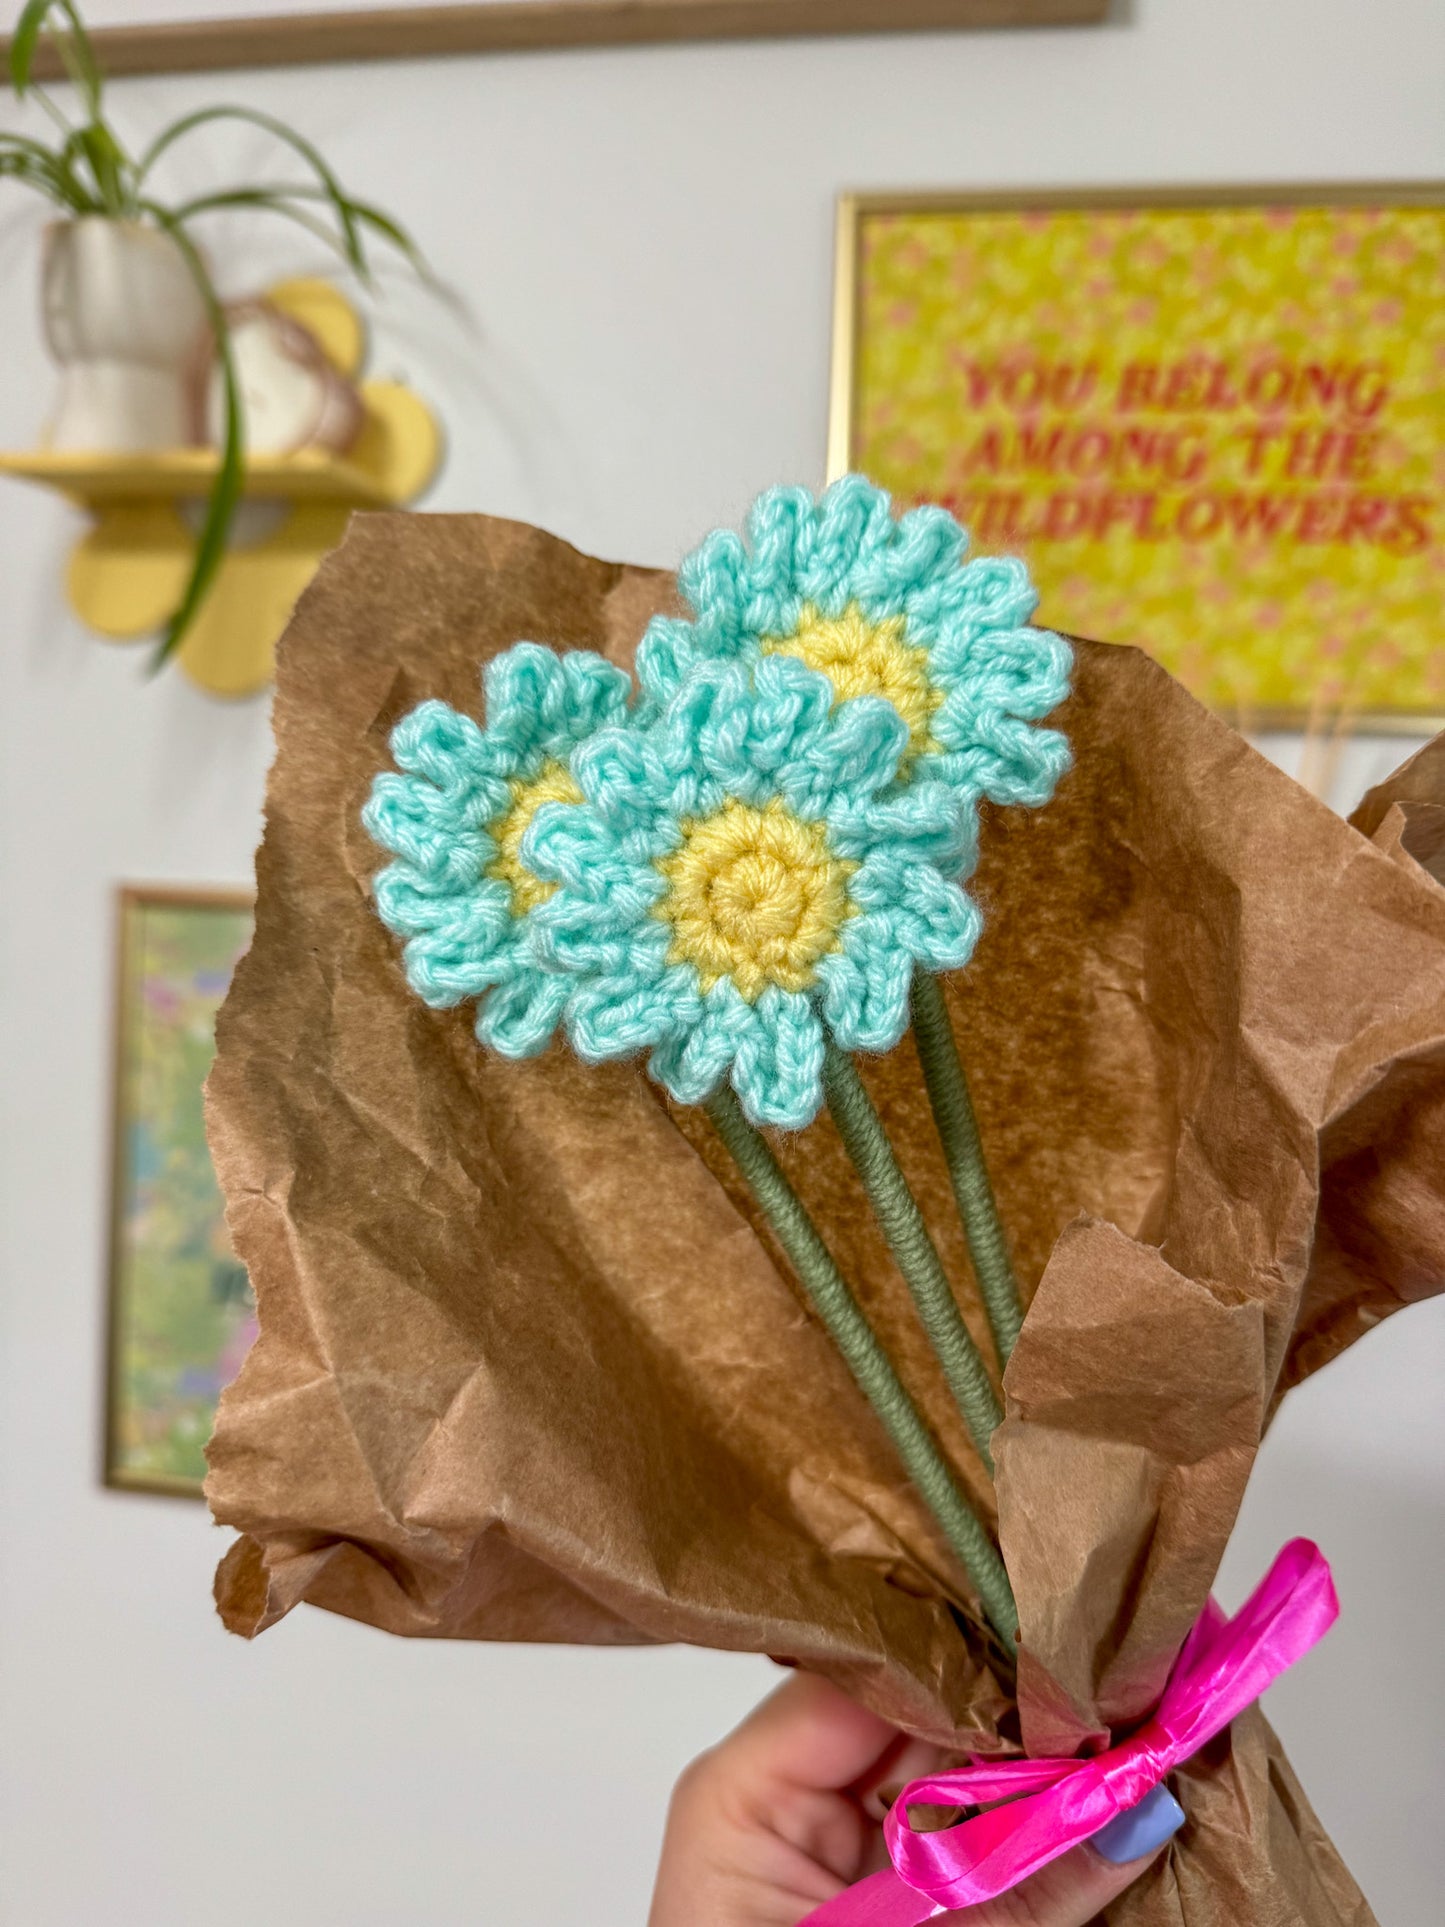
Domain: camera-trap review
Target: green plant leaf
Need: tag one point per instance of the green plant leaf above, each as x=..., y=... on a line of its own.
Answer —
x=279, y=198
x=230, y=476
x=353, y=246
x=95, y=143
x=20, y=167
x=80, y=61
x=34, y=21
x=24, y=41
x=37, y=148
x=275, y=200
x=107, y=163
x=392, y=231
x=45, y=171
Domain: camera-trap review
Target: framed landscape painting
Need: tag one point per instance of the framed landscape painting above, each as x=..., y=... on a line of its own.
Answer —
x=181, y=1317
x=1212, y=421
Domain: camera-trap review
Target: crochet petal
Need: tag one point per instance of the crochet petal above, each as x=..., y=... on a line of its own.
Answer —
x=855, y=526
x=526, y=698
x=713, y=691
x=713, y=581
x=692, y=1064
x=778, y=1067
x=1004, y=759
x=567, y=844
x=928, y=820
x=618, y=1016
x=669, y=648
x=621, y=774
x=855, y=755
x=440, y=743
x=598, y=693
x=991, y=592
x=1023, y=672
x=649, y=944
x=575, y=938
x=744, y=729
x=410, y=904
x=426, y=829
x=926, y=548
x=605, y=895
x=463, y=957
x=519, y=1018
x=710, y=681
x=930, y=546
x=913, y=898
x=789, y=712
x=782, y=536
x=865, y=985
x=611, y=935
x=937, y=921
x=721, y=719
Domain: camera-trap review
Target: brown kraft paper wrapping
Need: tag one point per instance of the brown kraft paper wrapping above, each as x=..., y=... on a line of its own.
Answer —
x=529, y=1369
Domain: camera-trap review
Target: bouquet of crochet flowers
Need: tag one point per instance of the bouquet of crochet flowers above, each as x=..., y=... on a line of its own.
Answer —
x=557, y=1346
x=745, y=867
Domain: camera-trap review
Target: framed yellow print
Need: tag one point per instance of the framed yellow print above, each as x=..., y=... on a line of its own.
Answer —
x=1213, y=422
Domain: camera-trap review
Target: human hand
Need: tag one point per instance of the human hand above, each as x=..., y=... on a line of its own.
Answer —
x=786, y=1812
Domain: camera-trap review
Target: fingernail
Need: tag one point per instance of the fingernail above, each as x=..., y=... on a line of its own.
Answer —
x=1130, y=1835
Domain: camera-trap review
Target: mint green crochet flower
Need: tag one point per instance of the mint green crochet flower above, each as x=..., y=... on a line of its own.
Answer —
x=884, y=608
x=745, y=873
x=460, y=892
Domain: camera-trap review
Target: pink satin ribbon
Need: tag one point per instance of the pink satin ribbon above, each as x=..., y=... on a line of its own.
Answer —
x=1052, y=1805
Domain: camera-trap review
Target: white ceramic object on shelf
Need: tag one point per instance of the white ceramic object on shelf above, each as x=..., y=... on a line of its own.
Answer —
x=292, y=396
x=122, y=317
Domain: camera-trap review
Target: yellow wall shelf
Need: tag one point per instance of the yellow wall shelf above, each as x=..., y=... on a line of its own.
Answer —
x=128, y=571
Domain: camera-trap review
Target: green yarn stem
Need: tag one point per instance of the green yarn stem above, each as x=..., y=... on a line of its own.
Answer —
x=953, y=1113
x=870, y=1365
x=896, y=1209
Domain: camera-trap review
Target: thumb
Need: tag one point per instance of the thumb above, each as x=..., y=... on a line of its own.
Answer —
x=1074, y=1889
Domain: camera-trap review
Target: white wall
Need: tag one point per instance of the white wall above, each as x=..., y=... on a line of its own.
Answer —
x=645, y=239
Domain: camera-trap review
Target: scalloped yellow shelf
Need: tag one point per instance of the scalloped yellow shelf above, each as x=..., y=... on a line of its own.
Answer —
x=128, y=572
x=95, y=481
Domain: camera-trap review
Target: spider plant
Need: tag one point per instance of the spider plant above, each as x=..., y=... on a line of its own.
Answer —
x=84, y=168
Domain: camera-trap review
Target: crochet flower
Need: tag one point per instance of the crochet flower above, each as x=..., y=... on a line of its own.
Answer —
x=744, y=874
x=884, y=608
x=460, y=892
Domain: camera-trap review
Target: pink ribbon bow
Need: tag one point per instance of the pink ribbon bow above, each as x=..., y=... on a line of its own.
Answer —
x=1223, y=1666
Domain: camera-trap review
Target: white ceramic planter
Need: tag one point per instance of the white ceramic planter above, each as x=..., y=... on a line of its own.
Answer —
x=123, y=317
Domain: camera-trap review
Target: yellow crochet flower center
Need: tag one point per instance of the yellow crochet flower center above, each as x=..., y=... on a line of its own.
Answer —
x=553, y=785
x=863, y=658
x=755, y=895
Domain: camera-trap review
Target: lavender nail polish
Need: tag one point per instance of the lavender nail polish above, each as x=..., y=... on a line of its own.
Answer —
x=1139, y=1830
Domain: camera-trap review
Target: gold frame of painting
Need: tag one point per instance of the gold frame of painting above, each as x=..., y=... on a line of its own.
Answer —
x=1318, y=721
x=128, y=899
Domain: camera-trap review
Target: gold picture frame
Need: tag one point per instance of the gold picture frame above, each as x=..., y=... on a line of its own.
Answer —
x=846, y=446
x=172, y=1332
x=514, y=26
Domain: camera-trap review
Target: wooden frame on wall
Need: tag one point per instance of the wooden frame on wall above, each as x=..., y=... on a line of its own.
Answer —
x=177, y=1307
x=1350, y=221
x=503, y=26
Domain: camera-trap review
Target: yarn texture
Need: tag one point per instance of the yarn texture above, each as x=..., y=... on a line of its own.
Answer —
x=755, y=895
x=885, y=607
x=744, y=875
x=459, y=892
x=754, y=853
